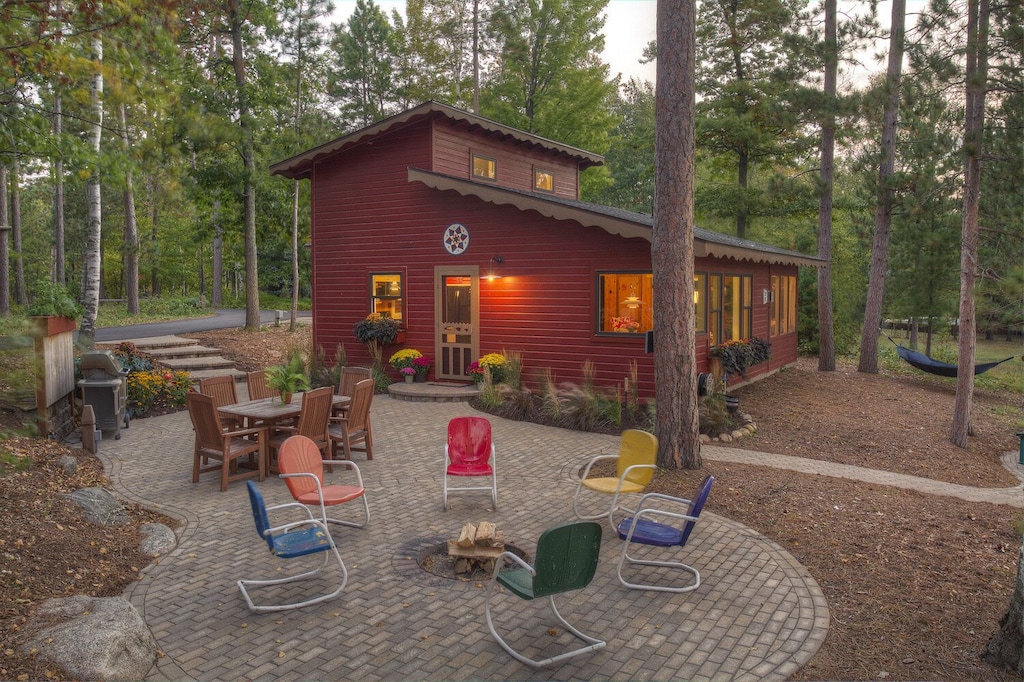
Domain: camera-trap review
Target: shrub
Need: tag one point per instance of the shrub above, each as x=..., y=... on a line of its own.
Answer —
x=493, y=364
x=157, y=388
x=132, y=359
x=51, y=298
x=321, y=373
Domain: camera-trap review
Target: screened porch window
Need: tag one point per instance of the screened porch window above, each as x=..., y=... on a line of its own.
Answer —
x=386, y=291
x=730, y=307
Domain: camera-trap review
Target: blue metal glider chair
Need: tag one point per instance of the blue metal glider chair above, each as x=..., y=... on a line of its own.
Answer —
x=567, y=558
x=682, y=515
x=290, y=541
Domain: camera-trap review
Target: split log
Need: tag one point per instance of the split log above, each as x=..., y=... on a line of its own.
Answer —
x=467, y=536
x=485, y=534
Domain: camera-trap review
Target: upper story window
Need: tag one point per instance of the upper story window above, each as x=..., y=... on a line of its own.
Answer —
x=543, y=180
x=484, y=168
x=386, y=290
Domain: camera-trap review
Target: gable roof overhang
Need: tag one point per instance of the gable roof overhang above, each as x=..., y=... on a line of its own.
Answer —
x=301, y=166
x=612, y=220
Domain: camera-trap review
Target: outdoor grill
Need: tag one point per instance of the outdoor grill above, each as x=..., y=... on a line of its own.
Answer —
x=105, y=387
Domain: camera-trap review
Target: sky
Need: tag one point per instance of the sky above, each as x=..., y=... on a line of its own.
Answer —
x=629, y=27
x=631, y=24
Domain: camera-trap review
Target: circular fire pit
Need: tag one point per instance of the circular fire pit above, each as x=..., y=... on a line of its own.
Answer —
x=434, y=559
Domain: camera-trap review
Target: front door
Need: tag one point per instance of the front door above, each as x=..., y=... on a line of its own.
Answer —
x=456, y=309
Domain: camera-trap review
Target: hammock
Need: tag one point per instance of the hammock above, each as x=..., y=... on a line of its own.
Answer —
x=942, y=369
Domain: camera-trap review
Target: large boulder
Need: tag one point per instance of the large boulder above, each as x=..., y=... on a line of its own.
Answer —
x=157, y=540
x=94, y=638
x=101, y=507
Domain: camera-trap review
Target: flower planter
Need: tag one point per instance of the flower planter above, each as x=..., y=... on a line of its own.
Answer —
x=408, y=378
x=420, y=378
x=51, y=325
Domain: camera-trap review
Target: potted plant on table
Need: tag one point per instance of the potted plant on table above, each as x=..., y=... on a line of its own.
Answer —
x=288, y=378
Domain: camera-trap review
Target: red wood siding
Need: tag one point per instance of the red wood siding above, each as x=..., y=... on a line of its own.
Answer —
x=368, y=218
x=455, y=147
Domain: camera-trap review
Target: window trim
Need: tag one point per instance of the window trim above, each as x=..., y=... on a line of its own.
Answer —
x=472, y=167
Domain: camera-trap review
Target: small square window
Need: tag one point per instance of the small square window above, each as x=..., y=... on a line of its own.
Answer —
x=386, y=292
x=485, y=168
x=543, y=181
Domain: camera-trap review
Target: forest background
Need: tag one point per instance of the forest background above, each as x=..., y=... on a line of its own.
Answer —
x=136, y=136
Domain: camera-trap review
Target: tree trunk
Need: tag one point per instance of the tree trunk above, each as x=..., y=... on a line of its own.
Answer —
x=293, y=319
x=672, y=255
x=743, y=179
x=59, y=275
x=217, y=285
x=252, y=284
x=20, y=294
x=131, y=229
x=1006, y=648
x=974, y=127
x=154, y=243
x=826, y=331
x=5, y=229
x=886, y=195
x=91, y=266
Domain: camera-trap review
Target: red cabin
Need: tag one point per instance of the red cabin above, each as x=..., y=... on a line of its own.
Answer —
x=472, y=234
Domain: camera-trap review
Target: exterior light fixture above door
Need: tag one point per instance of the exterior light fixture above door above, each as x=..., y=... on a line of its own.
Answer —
x=491, y=273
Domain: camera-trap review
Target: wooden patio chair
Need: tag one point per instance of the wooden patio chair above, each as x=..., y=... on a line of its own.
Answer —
x=212, y=442
x=354, y=428
x=313, y=421
x=222, y=390
x=258, y=386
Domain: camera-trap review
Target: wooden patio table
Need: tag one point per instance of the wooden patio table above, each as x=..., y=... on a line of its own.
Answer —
x=264, y=413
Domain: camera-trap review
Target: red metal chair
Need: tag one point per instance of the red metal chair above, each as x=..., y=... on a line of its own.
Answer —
x=469, y=453
x=302, y=469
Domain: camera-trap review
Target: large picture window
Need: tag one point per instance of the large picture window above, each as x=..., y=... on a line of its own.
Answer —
x=386, y=292
x=784, y=302
x=626, y=302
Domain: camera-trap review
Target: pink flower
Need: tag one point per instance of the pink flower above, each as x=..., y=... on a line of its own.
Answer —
x=408, y=371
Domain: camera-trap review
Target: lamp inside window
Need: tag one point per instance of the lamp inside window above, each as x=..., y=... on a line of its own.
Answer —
x=632, y=301
x=492, y=274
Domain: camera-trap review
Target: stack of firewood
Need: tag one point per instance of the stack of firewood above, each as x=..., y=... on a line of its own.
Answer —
x=476, y=548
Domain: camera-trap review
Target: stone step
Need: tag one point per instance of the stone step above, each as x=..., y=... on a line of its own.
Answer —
x=238, y=374
x=197, y=364
x=177, y=352
x=152, y=343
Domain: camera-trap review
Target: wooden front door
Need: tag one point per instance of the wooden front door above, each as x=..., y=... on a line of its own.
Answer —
x=456, y=309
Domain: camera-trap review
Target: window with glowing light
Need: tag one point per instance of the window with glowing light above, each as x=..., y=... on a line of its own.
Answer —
x=484, y=168
x=626, y=302
x=386, y=289
x=783, y=305
x=543, y=180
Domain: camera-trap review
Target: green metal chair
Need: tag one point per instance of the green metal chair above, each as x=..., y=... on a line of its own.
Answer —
x=566, y=560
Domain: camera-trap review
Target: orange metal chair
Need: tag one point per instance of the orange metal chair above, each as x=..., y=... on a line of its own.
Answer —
x=635, y=466
x=227, y=447
x=302, y=469
x=258, y=386
x=354, y=428
x=469, y=453
x=313, y=420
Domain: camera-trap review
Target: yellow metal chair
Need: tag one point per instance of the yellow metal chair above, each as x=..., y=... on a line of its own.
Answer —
x=634, y=469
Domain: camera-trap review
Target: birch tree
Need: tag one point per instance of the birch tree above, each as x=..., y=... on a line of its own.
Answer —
x=94, y=206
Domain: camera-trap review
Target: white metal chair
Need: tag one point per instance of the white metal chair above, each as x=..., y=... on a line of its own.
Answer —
x=567, y=557
x=469, y=452
x=290, y=541
x=634, y=469
x=644, y=530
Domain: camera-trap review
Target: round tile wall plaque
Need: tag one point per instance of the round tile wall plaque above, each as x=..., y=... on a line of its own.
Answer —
x=456, y=238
